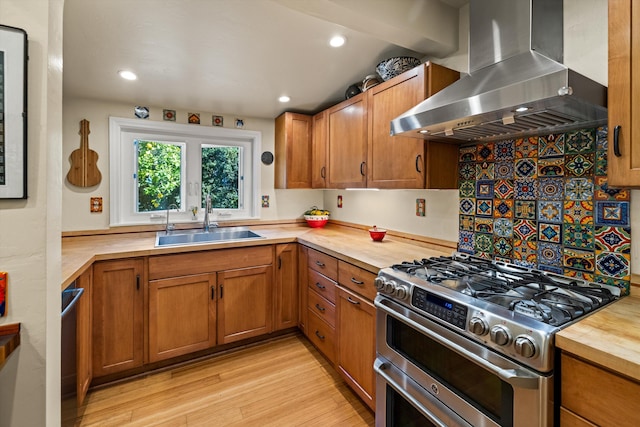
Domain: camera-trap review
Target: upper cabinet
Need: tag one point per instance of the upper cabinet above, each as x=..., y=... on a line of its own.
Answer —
x=347, y=143
x=293, y=151
x=624, y=88
x=404, y=162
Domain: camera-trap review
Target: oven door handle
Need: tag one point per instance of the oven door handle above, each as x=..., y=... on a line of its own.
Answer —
x=517, y=377
x=379, y=367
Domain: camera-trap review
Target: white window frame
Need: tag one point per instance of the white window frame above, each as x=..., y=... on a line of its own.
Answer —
x=122, y=158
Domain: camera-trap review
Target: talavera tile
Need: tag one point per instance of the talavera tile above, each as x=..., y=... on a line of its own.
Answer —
x=503, y=170
x=578, y=189
x=550, y=188
x=551, y=145
x=602, y=191
x=613, y=264
x=612, y=213
x=613, y=239
x=551, y=167
x=505, y=150
x=503, y=189
x=485, y=152
x=525, y=209
x=484, y=189
x=578, y=236
x=550, y=211
x=527, y=147
x=503, y=208
x=578, y=212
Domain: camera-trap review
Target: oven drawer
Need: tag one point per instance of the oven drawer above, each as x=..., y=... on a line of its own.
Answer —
x=323, y=263
x=357, y=279
x=322, y=336
x=322, y=285
x=323, y=308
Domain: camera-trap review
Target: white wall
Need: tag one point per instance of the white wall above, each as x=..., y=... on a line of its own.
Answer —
x=30, y=229
x=283, y=204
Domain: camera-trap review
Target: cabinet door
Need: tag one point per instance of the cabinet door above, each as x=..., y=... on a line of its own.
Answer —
x=293, y=151
x=623, y=92
x=319, y=161
x=356, y=343
x=398, y=161
x=84, y=353
x=182, y=315
x=244, y=303
x=347, y=139
x=117, y=314
x=286, y=286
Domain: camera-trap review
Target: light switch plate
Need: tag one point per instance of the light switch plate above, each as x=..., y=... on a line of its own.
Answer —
x=96, y=204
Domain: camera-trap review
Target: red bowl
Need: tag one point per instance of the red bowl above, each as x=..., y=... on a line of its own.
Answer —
x=378, y=234
x=316, y=221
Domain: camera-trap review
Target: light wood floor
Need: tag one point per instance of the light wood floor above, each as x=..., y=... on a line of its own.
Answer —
x=284, y=382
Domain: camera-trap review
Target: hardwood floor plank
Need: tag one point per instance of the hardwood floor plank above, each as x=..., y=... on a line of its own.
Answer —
x=283, y=382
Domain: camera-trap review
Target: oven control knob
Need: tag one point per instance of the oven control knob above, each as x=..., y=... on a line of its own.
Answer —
x=390, y=287
x=401, y=292
x=525, y=346
x=500, y=335
x=478, y=326
x=379, y=282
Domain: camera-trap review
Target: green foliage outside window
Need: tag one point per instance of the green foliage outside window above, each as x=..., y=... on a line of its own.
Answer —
x=158, y=175
x=220, y=176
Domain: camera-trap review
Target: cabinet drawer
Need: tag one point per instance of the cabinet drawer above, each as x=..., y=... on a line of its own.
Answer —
x=324, y=264
x=322, y=336
x=323, y=308
x=597, y=395
x=569, y=419
x=357, y=279
x=322, y=285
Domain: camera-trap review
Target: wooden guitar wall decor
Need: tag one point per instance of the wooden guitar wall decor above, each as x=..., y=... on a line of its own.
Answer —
x=84, y=162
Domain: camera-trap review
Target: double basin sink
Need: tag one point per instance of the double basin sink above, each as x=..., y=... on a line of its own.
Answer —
x=199, y=237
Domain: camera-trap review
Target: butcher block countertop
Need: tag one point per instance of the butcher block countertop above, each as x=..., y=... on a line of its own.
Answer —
x=348, y=243
x=609, y=337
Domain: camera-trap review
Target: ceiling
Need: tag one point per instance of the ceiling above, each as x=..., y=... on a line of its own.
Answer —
x=239, y=56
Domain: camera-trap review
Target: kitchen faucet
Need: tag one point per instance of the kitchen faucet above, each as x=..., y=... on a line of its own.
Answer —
x=170, y=227
x=207, y=210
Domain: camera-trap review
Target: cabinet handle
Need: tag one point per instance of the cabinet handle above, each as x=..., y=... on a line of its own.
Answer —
x=362, y=168
x=418, y=162
x=323, y=172
x=319, y=286
x=320, y=264
x=319, y=336
x=616, y=140
x=279, y=262
x=352, y=301
x=221, y=291
x=320, y=308
x=213, y=293
x=137, y=282
x=356, y=281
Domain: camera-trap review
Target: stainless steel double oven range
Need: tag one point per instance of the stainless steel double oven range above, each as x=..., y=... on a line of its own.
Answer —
x=465, y=341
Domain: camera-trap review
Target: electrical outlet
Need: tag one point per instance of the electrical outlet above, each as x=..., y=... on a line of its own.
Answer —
x=339, y=201
x=96, y=204
x=420, y=207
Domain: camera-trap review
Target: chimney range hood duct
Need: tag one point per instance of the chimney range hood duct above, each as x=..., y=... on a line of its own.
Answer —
x=517, y=84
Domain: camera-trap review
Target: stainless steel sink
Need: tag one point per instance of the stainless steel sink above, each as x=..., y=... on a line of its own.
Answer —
x=198, y=237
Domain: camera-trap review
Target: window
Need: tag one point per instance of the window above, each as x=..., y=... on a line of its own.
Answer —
x=155, y=166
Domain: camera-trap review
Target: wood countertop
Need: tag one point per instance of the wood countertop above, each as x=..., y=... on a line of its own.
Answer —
x=349, y=244
x=609, y=337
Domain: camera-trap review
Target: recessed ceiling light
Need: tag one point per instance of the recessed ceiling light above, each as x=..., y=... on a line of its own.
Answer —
x=521, y=109
x=337, y=41
x=127, y=75
x=284, y=98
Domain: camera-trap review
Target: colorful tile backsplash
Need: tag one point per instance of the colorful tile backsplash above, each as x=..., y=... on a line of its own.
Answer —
x=543, y=202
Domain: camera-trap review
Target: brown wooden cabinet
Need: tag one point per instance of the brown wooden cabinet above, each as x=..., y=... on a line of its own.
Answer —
x=293, y=151
x=591, y=395
x=302, y=287
x=118, y=316
x=404, y=162
x=347, y=142
x=356, y=343
x=182, y=315
x=623, y=94
x=244, y=303
x=285, y=305
x=319, y=156
x=84, y=331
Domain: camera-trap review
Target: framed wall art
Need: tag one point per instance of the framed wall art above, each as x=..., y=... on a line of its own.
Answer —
x=13, y=113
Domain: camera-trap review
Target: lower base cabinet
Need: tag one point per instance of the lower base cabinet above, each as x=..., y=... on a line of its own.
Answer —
x=244, y=303
x=591, y=395
x=356, y=343
x=182, y=315
x=118, y=316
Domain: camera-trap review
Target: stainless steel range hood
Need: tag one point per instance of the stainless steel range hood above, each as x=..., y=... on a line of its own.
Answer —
x=517, y=84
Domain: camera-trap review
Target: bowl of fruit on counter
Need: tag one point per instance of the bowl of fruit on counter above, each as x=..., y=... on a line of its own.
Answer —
x=316, y=217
